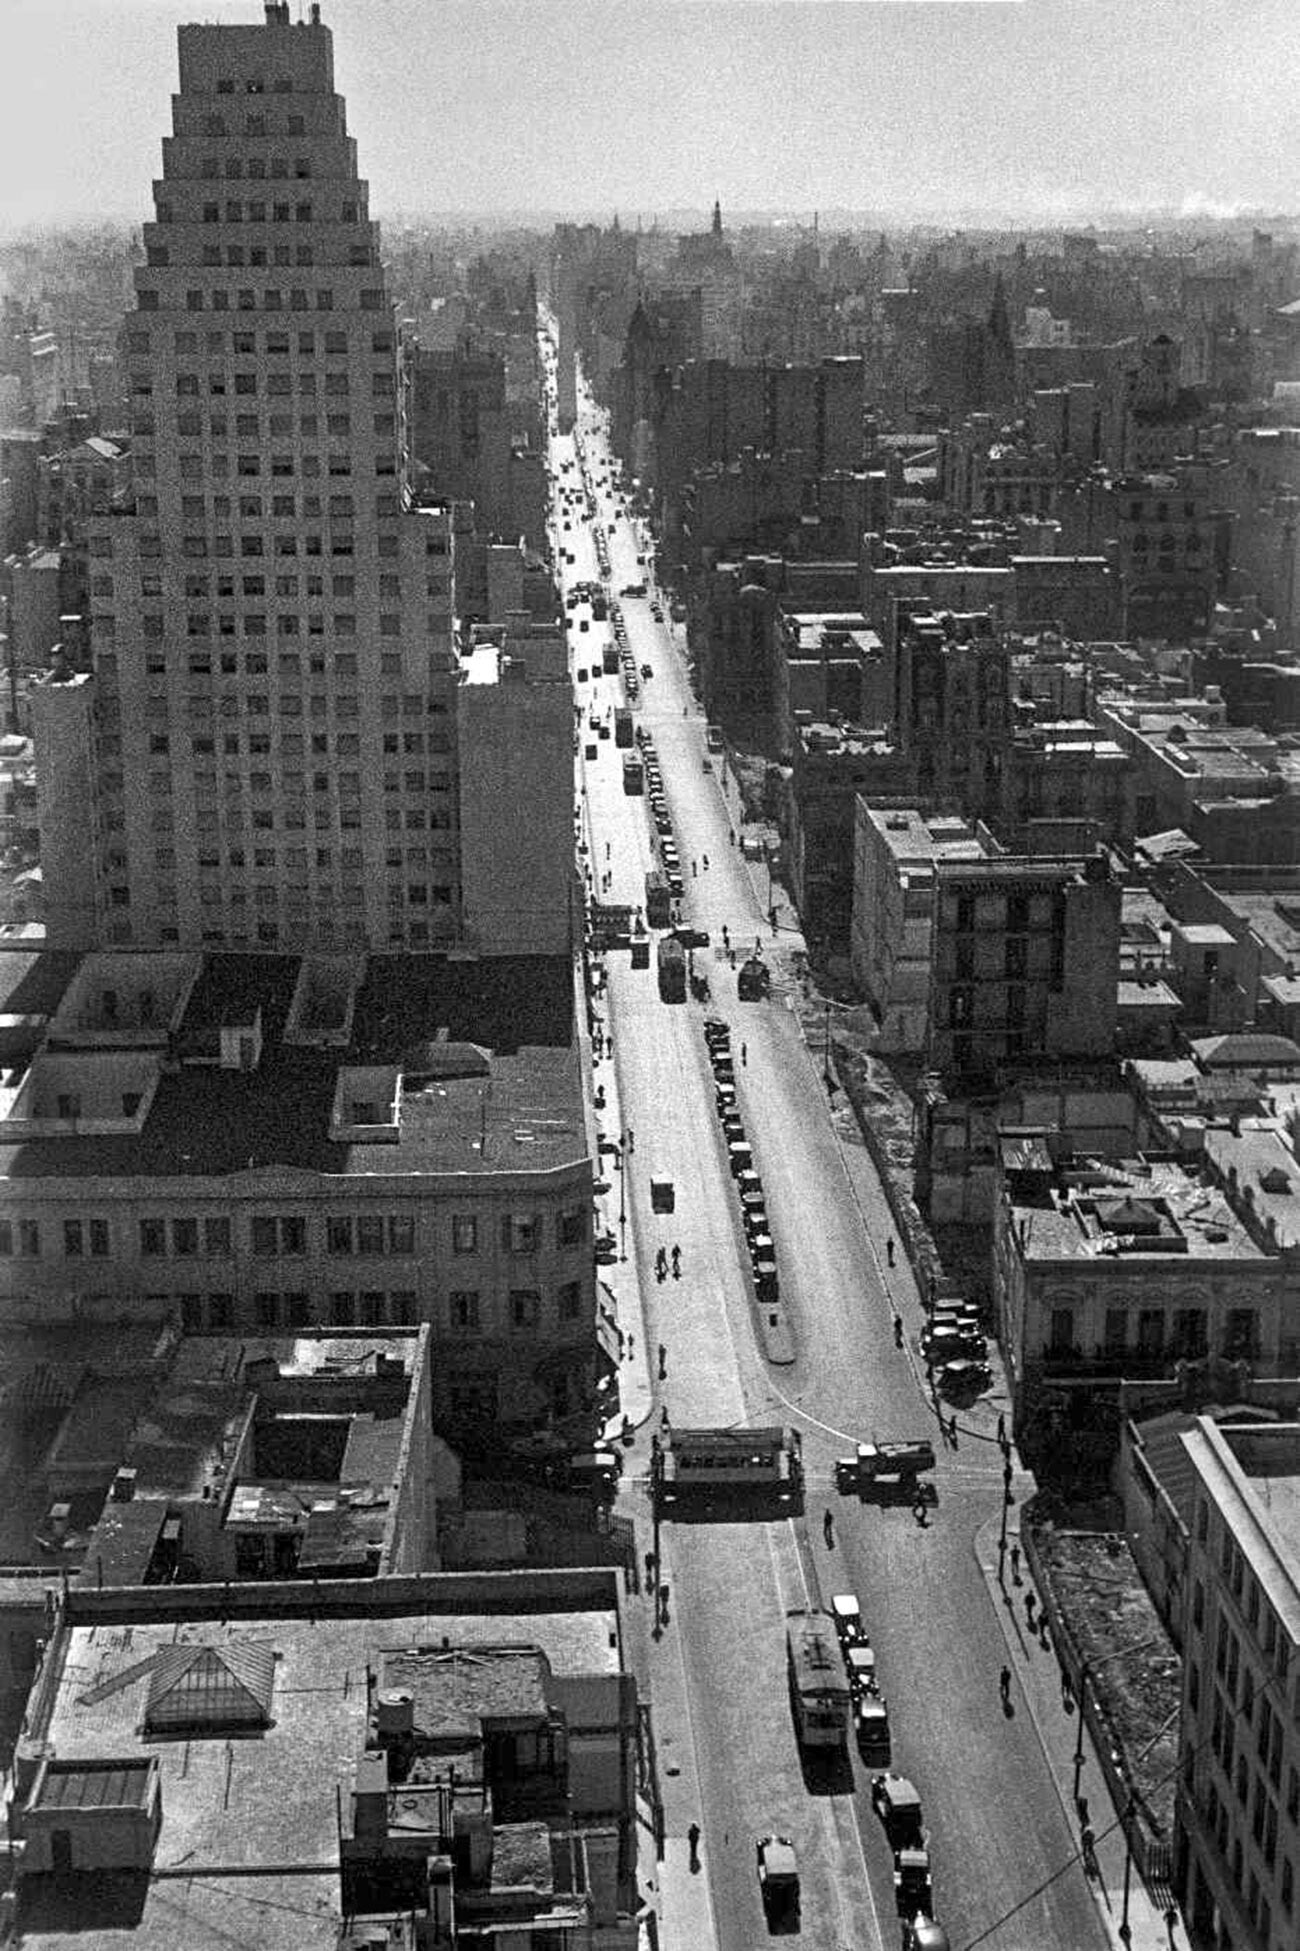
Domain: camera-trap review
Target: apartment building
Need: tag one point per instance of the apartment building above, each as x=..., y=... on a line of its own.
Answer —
x=252, y=1144
x=1238, y=1808
x=1108, y=1268
x=271, y=719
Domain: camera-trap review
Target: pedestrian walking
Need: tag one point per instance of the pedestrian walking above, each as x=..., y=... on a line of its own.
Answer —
x=1015, y=1563
x=663, y=1361
x=1029, y=1610
x=663, y=1417
x=694, y=870
x=898, y=1331
x=661, y=1264
x=744, y=1055
x=607, y=850
x=828, y=1530
x=1002, y=1430
x=705, y=859
x=631, y=1139
x=677, y=1262
x=649, y=1571
x=731, y=835
x=889, y=1251
x=918, y=1511
x=1004, y=1683
x=1088, y=1846
x=693, y=1839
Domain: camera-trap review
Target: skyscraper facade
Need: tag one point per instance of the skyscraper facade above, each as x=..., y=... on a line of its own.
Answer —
x=272, y=705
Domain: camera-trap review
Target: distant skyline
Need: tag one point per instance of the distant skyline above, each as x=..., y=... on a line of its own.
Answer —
x=1036, y=110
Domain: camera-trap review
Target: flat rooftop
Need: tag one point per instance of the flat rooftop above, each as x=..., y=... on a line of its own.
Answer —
x=916, y=839
x=486, y=1049
x=1129, y=1209
x=248, y=1848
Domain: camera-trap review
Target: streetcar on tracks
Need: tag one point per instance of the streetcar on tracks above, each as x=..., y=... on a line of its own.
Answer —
x=820, y=1697
x=762, y=1467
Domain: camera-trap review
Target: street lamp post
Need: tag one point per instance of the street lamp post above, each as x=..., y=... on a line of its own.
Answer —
x=1078, y=1736
x=622, y=1195
x=1002, y=1534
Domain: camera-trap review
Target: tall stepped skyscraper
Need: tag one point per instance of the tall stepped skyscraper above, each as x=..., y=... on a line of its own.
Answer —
x=265, y=753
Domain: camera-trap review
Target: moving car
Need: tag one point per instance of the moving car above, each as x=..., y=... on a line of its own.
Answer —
x=778, y=1878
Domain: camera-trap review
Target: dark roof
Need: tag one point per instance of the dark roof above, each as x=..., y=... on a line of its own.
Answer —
x=205, y=1120
x=108, y=1784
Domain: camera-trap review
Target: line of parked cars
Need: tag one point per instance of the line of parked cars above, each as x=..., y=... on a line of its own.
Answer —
x=956, y=1351
x=740, y=1158
x=866, y=1702
x=658, y=808
x=627, y=663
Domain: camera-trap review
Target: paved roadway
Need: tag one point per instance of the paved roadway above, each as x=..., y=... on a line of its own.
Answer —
x=1004, y=1860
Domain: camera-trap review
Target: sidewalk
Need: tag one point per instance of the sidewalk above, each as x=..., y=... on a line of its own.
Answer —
x=1037, y=1681
x=1037, y=1687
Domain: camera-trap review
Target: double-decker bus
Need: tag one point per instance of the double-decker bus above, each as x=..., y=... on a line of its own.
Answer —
x=819, y=1688
x=623, y=729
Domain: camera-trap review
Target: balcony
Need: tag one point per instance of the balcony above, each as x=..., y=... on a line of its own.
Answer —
x=1108, y=1361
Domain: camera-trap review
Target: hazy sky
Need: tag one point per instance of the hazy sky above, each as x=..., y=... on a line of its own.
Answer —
x=1035, y=107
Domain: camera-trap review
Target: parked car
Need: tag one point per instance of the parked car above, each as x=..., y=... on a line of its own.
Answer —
x=849, y=1624
x=898, y=1806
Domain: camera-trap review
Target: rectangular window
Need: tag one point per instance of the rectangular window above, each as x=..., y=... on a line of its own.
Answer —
x=401, y=1233
x=73, y=1245
x=216, y=1236
x=99, y=1239
x=464, y=1233
x=370, y=1234
x=338, y=1236
x=153, y=1237
x=525, y=1307
x=464, y=1310
x=520, y=1233
x=264, y=1237
x=185, y=1238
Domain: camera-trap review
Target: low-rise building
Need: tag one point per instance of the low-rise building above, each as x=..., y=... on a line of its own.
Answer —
x=318, y=1763
x=308, y=1455
x=1109, y=1268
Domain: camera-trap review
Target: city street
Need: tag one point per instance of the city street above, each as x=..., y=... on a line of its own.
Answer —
x=1005, y=1861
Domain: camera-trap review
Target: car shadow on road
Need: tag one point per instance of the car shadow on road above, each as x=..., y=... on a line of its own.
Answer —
x=826, y=1772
